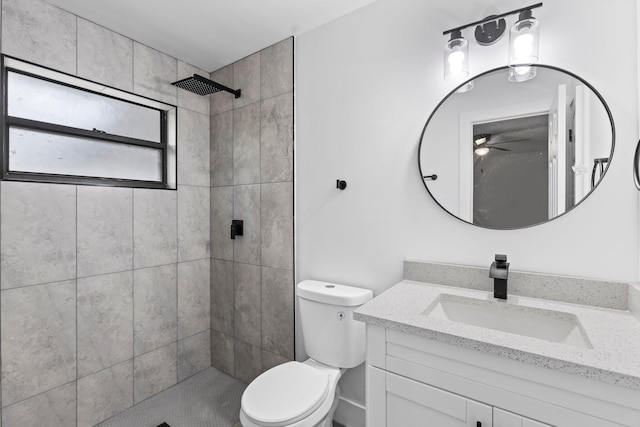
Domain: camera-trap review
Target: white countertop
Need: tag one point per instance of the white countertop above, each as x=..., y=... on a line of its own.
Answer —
x=614, y=334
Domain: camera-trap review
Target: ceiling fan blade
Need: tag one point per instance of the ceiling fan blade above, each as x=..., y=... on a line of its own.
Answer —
x=498, y=148
x=510, y=141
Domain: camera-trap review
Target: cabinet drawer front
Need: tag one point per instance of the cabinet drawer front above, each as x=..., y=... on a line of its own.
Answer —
x=422, y=394
x=411, y=403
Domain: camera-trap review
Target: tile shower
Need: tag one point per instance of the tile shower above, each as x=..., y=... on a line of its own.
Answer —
x=252, y=302
x=105, y=292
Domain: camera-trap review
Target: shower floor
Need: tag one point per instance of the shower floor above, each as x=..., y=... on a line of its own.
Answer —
x=207, y=399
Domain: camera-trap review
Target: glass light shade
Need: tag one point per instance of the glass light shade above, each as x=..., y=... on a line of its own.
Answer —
x=481, y=151
x=466, y=87
x=524, y=38
x=522, y=73
x=456, y=57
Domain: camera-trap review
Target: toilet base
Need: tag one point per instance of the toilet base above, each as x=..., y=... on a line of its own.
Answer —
x=328, y=421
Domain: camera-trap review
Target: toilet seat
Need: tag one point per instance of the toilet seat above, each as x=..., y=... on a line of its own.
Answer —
x=285, y=394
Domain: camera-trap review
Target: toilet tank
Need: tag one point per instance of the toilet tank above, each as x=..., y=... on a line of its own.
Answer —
x=330, y=334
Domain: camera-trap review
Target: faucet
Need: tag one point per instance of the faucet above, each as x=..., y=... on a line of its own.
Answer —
x=499, y=272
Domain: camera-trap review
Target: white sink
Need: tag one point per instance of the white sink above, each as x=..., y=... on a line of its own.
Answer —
x=554, y=326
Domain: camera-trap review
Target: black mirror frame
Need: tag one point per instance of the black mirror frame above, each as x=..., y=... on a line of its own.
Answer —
x=613, y=142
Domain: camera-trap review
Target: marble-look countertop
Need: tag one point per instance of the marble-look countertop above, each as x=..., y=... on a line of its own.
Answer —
x=614, y=334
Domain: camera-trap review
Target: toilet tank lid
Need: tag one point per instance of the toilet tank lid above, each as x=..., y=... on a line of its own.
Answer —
x=332, y=293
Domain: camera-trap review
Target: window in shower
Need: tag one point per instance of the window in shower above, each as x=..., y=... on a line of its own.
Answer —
x=60, y=128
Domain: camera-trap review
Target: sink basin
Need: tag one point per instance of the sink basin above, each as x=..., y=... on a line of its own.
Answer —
x=550, y=325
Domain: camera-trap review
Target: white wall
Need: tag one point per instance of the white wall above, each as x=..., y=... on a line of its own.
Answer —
x=366, y=84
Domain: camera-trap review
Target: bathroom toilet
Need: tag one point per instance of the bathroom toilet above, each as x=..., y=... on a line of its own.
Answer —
x=306, y=394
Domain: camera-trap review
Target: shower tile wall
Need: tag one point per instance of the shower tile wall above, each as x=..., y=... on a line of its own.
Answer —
x=252, y=288
x=104, y=291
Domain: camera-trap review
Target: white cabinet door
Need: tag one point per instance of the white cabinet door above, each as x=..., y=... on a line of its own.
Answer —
x=503, y=418
x=410, y=403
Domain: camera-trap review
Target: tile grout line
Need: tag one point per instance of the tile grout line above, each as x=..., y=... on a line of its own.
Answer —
x=133, y=288
x=177, y=273
x=260, y=106
x=76, y=285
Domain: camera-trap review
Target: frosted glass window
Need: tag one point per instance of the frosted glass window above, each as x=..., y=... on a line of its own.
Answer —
x=61, y=128
x=48, y=153
x=41, y=100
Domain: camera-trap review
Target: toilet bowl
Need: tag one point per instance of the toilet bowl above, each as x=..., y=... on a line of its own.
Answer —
x=294, y=394
x=306, y=394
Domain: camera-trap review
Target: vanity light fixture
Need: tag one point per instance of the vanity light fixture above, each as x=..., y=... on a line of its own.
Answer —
x=456, y=57
x=523, y=45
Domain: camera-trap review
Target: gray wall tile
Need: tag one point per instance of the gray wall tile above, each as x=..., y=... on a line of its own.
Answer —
x=193, y=149
x=222, y=352
x=39, y=32
x=236, y=345
x=154, y=371
x=38, y=339
x=105, y=321
x=105, y=230
x=276, y=218
x=248, y=361
x=189, y=100
x=55, y=408
x=246, y=206
x=247, y=303
x=222, y=296
x=194, y=354
x=153, y=73
x=38, y=233
x=194, y=239
x=193, y=297
x=222, y=149
x=276, y=69
x=246, y=76
x=277, y=311
x=155, y=227
x=155, y=311
x=276, y=139
x=222, y=101
x=221, y=217
x=104, y=56
x=104, y=394
x=246, y=145
x=271, y=360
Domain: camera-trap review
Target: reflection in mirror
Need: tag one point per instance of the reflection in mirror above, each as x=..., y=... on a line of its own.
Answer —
x=511, y=155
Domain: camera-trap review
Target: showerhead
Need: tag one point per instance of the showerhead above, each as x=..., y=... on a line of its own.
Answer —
x=203, y=86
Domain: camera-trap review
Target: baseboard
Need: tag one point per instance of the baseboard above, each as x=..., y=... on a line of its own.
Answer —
x=350, y=413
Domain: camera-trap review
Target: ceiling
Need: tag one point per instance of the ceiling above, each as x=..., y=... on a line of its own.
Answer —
x=210, y=33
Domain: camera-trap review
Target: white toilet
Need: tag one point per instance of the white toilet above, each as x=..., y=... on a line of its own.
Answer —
x=305, y=394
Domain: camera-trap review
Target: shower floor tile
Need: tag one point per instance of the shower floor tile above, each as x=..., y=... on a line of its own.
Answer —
x=208, y=399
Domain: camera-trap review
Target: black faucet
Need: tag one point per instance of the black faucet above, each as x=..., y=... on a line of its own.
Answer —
x=499, y=272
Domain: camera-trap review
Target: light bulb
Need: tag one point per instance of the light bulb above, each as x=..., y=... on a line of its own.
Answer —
x=481, y=151
x=456, y=58
x=523, y=45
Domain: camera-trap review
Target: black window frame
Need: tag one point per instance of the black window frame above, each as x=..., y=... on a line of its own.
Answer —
x=8, y=122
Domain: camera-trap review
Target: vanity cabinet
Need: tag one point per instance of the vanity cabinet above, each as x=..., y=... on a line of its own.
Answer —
x=417, y=381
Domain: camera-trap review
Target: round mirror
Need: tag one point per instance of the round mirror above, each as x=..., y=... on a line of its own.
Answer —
x=516, y=147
